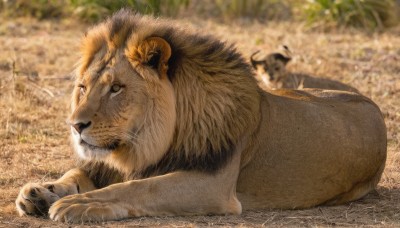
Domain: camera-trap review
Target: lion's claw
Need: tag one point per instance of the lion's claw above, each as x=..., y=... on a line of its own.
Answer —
x=35, y=199
x=80, y=208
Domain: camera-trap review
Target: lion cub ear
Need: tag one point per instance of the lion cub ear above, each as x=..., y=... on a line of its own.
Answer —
x=154, y=52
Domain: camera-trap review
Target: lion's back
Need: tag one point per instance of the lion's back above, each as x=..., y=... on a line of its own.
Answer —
x=307, y=81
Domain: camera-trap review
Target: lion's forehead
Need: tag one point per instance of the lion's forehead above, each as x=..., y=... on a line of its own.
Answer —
x=105, y=72
x=99, y=52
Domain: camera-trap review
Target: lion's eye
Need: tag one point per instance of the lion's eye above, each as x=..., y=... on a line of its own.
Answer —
x=115, y=88
x=82, y=88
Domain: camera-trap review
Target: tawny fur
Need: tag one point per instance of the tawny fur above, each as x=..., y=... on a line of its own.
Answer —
x=169, y=122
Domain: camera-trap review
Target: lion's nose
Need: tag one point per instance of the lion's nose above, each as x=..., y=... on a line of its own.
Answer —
x=79, y=127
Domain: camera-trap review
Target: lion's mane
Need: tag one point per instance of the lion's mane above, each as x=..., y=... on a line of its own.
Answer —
x=217, y=99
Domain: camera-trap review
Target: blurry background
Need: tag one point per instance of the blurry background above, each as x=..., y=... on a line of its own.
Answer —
x=368, y=14
x=353, y=41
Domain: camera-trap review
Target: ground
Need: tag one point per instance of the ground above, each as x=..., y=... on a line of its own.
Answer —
x=36, y=77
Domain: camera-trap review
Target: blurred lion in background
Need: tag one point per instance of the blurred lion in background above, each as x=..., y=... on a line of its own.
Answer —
x=271, y=73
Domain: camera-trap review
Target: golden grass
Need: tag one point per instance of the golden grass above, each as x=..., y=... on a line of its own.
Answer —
x=36, y=62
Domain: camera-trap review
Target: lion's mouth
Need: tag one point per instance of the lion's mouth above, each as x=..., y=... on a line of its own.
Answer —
x=111, y=146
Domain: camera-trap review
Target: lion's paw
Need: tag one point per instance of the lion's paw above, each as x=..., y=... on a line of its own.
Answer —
x=36, y=199
x=81, y=208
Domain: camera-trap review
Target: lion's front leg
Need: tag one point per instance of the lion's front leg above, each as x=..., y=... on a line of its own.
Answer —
x=36, y=199
x=179, y=193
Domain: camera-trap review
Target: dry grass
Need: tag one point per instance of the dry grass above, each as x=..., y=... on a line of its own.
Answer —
x=35, y=65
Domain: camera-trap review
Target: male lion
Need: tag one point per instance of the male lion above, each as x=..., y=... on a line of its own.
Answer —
x=169, y=122
x=271, y=73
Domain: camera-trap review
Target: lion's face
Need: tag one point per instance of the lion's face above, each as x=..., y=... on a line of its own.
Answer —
x=111, y=105
x=272, y=69
x=113, y=99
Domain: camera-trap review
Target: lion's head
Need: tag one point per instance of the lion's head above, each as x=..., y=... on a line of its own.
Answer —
x=116, y=99
x=151, y=97
x=271, y=69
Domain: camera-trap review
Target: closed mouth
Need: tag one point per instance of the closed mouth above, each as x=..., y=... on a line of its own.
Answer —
x=111, y=146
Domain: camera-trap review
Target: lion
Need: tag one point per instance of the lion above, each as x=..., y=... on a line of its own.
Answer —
x=167, y=121
x=271, y=73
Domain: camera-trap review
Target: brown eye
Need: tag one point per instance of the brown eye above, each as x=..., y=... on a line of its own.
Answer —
x=115, y=88
x=82, y=88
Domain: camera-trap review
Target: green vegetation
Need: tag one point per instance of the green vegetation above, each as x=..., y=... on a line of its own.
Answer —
x=368, y=14
x=94, y=10
x=261, y=9
x=41, y=9
x=88, y=10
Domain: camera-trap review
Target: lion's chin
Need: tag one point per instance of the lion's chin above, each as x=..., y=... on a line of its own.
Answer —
x=110, y=147
x=90, y=151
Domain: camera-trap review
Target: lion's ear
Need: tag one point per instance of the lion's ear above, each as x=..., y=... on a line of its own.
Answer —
x=154, y=52
x=283, y=58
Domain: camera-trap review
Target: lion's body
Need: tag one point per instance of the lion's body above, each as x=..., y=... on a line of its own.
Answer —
x=167, y=122
x=315, y=147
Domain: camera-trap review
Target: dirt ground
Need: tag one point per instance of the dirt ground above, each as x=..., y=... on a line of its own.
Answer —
x=36, y=70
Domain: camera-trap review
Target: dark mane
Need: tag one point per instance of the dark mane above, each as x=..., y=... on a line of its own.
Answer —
x=100, y=173
x=177, y=161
